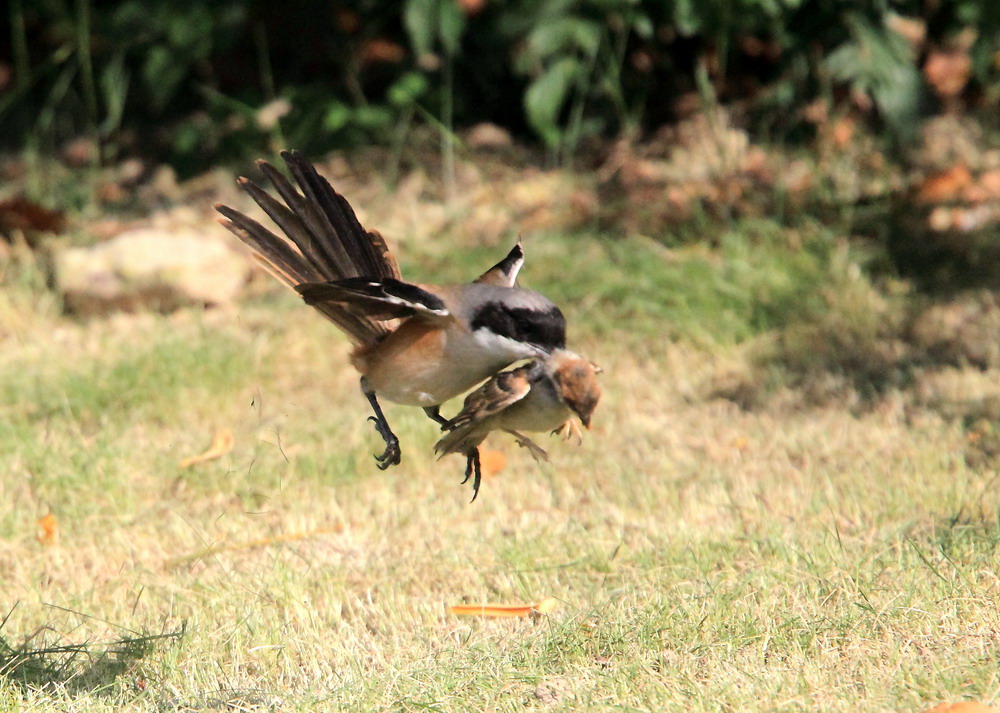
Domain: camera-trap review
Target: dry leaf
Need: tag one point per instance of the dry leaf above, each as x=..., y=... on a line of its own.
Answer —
x=989, y=181
x=21, y=214
x=944, y=186
x=491, y=461
x=499, y=611
x=48, y=530
x=380, y=49
x=472, y=7
x=270, y=114
x=962, y=707
x=842, y=131
x=222, y=443
x=948, y=71
x=911, y=29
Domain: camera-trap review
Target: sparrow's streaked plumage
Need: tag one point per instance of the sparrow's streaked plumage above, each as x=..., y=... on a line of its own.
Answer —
x=543, y=395
x=414, y=344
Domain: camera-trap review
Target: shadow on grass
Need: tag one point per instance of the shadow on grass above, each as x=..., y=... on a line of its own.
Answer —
x=89, y=666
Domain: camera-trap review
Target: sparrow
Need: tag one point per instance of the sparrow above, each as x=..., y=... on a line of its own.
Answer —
x=542, y=395
x=414, y=344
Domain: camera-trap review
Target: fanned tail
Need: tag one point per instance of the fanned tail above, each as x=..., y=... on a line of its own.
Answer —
x=461, y=437
x=324, y=241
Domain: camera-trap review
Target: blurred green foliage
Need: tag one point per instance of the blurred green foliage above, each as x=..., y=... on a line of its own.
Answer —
x=194, y=82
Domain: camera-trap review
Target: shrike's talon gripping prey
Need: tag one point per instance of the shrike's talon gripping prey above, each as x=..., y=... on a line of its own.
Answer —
x=539, y=396
x=417, y=345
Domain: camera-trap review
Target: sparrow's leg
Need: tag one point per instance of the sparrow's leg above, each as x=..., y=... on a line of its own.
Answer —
x=472, y=467
x=391, y=455
x=434, y=414
x=536, y=451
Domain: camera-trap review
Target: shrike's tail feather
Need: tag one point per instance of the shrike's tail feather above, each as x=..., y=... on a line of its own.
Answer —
x=323, y=241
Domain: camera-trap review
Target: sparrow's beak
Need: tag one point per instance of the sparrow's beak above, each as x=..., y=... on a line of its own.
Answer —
x=586, y=421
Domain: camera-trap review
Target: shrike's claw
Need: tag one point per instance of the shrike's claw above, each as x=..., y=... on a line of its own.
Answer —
x=391, y=455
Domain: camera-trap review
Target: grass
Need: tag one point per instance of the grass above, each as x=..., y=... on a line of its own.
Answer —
x=759, y=276
x=704, y=557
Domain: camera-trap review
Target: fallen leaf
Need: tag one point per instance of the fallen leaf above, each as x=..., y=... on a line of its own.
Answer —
x=500, y=611
x=944, y=186
x=842, y=131
x=911, y=29
x=270, y=114
x=488, y=136
x=21, y=214
x=380, y=49
x=948, y=71
x=990, y=182
x=48, y=528
x=962, y=707
x=472, y=7
x=222, y=443
x=491, y=461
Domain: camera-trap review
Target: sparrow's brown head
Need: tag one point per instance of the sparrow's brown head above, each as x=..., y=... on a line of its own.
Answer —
x=576, y=378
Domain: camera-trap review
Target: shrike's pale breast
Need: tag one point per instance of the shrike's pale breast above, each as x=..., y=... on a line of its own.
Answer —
x=420, y=365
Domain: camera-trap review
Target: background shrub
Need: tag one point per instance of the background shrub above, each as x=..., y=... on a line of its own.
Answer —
x=194, y=83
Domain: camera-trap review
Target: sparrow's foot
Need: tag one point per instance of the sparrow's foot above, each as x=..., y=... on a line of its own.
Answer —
x=536, y=451
x=570, y=429
x=391, y=455
x=473, y=469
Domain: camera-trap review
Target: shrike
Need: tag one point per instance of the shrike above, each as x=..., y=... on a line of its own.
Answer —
x=414, y=344
x=542, y=395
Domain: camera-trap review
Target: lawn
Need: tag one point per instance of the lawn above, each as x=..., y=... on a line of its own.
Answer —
x=803, y=554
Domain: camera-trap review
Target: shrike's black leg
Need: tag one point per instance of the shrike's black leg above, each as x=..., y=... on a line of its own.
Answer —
x=434, y=414
x=474, y=469
x=391, y=455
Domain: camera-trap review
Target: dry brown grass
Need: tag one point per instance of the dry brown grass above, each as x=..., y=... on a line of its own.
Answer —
x=828, y=553
x=704, y=557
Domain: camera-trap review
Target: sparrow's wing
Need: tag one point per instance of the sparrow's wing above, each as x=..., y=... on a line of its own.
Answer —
x=504, y=273
x=502, y=391
x=383, y=299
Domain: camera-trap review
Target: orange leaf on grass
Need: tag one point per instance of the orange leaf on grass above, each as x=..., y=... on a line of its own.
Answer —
x=499, y=611
x=48, y=530
x=962, y=707
x=222, y=443
x=491, y=461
